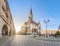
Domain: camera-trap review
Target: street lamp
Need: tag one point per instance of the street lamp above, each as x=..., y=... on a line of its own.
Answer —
x=46, y=21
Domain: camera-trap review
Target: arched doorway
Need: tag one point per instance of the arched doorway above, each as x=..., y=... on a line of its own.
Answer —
x=5, y=30
x=34, y=30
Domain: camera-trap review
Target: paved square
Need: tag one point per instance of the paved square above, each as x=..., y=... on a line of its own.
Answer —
x=20, y=40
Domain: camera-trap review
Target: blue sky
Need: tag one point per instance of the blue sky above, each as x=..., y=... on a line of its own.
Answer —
x=42, y=10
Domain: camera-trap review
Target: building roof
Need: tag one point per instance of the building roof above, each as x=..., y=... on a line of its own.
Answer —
x=33, y=22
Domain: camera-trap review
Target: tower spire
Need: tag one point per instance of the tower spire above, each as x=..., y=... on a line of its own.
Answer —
x=31, y=11
x=30, y=15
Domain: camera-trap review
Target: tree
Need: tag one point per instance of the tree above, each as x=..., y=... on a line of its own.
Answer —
x=22, y=32
x=57, y=33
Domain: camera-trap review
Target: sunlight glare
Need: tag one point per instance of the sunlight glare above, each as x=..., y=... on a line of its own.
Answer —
x=17, y=29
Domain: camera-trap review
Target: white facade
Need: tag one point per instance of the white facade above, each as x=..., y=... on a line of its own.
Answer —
x=31, y=26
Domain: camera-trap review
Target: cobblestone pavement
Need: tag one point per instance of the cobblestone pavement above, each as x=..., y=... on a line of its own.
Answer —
x=20, y=40
x=4, y=38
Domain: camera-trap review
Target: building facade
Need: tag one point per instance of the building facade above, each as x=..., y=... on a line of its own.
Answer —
x=30, y=25
x=6, y=21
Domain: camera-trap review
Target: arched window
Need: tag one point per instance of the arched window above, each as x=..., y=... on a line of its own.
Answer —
x=5, y=30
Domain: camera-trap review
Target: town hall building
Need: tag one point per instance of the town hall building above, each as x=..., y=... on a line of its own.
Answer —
x=30, y=25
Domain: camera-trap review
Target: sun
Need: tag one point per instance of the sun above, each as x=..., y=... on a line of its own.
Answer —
x=17, y=29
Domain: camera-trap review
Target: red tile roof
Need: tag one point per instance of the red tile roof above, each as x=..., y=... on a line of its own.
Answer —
x=33, y=22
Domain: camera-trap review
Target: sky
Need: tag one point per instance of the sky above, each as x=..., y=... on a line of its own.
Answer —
x=42, y=10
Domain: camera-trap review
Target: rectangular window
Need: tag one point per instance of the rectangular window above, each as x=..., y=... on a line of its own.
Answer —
x=6, y=15
x=0, y=2
x=3, y=8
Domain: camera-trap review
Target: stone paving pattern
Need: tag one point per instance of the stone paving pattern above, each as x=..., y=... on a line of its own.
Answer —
x=20, y=40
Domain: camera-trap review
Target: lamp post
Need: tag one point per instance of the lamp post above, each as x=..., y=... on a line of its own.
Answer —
x=46, y=21
x=59, y=28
